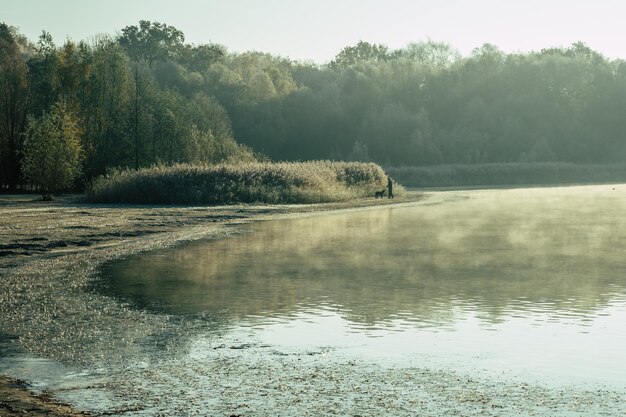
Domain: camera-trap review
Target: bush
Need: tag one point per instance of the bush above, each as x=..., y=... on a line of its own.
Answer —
x=275, y=183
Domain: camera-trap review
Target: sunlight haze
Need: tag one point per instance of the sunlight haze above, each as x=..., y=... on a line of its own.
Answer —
x=318, y=30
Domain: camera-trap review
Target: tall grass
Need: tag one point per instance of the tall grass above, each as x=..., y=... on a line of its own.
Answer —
x=508, y=174
x=282, y=182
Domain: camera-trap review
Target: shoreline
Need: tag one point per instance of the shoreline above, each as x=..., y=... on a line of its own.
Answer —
x=36, y=231
x=123, y=360
x=16, y=399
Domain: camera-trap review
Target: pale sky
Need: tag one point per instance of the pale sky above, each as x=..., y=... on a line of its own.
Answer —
x=317, y=29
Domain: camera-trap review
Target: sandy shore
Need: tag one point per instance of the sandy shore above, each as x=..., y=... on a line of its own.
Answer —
x=126, y=362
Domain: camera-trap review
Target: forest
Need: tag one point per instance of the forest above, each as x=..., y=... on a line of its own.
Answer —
x=145, y=97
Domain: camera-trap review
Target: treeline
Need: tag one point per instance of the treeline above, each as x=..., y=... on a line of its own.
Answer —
x=508, y=173
x=133, y=101
x=425, y=105
x=146, y=97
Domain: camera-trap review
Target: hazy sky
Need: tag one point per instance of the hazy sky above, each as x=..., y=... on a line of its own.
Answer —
x=317, y=29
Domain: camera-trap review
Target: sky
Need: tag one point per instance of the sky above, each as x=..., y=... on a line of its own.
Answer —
x=316, y=30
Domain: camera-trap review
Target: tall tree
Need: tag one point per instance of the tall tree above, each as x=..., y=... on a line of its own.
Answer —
x=152, y=41
x=13, y=104
x=146, y=43
x=43, y=74
x=106, y=109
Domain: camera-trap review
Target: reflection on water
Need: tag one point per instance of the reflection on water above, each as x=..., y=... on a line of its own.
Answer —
x=532, y=279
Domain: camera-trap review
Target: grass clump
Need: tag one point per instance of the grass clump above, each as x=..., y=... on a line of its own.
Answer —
x=264, y=182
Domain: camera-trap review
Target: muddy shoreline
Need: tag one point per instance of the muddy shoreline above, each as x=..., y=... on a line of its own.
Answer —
x=16, y=399
x=35, y=231
x=128, y=362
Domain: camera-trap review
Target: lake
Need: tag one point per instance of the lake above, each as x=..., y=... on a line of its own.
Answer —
x=527, y=282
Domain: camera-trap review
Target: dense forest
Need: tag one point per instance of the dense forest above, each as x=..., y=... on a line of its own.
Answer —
x=145, y=97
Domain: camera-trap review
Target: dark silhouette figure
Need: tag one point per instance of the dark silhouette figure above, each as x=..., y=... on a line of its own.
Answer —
x=390, y=187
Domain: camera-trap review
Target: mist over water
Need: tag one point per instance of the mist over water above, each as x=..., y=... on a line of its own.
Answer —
x=530, y=281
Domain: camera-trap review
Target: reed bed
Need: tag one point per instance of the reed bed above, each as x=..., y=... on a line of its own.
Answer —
x=263, y=182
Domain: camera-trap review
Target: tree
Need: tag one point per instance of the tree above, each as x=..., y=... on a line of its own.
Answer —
x=362, y=51
x=199, y=58
x=145, y=44
x=152, y=41
x=359, y=152
x=74, y=71
x=437, y=55
x=52, y=151
x=13, y=104
x=43, y=71
x=106, y=109
x=540, y=152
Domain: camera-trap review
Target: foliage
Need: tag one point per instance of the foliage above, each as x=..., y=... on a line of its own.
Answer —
x=13, y=103
x=514, y=173
x=283, y=182
x=359, y=152
x=362, y=51
x=436, y=55
x=52, y=151
x=423, y=105
x=146, y=97
x=151, y=41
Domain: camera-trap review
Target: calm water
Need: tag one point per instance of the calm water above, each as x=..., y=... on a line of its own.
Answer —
x=530, y=282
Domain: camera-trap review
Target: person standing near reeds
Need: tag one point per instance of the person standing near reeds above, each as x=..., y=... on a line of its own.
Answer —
x=390, y=187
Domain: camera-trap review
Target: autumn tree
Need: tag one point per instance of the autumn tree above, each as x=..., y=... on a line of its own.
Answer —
x=52, y=151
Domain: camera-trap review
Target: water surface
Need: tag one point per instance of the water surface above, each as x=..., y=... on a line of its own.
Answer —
x=529, y=282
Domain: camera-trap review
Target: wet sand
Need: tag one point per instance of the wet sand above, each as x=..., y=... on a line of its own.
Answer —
x=50, y=256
